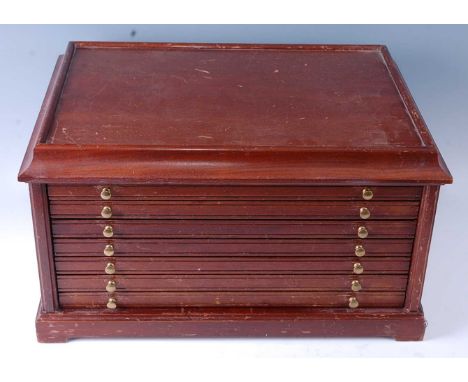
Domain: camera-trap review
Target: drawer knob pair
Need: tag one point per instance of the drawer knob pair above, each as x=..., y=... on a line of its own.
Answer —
x=353, y=303
x=356, y=286
x=108, y=231
x=112, y=303
x=364, y=213
x=106, y=212
x=367, y=194
x=362, y=232
x=110, y=269
x=109, y=250
x=359, y=250
x=111, y=286
x=106, y=193
x=358, y=268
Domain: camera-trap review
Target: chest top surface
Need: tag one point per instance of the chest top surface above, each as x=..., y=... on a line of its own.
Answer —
x=230, y=112
x=232, y=97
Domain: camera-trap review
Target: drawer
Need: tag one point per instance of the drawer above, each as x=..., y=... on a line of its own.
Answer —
x=228, y=228
x=229, y=247
x=167, y=299
x=233, y=209
x=198, y=283
x=67, y=192
x=227, y=265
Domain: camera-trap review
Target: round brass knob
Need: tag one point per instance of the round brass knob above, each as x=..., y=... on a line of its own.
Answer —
x=364, y=213
x=353, y=302
x=358, y=268
x=367, y=194
x=106, y=212
x=106, y=193
x=111, y=287
x=112, y=303
x=110, y=269
x=361, y=232
x=109, y=250
x=359, y=250
x=355, y=286
x=108, y=231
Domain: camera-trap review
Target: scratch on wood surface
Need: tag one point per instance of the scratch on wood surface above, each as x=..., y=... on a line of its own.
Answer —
x=101, y=89
x=202, y=71
x=68, y=138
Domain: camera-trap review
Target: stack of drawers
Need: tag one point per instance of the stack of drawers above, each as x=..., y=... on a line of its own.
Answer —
x=167, y=246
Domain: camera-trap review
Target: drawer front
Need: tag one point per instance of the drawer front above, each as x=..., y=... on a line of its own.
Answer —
x=171, y=299
x=198, y=283
x=156, y=246
x=60, y=192
x=230, y=247
x=229, y=228
x=234, y=210
x=190, y=265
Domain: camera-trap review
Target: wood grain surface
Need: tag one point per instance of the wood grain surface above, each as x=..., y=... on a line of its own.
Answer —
x=227, y=247
x=235, y=210
x=232, y=228
x=191, y=265
x=231, y=282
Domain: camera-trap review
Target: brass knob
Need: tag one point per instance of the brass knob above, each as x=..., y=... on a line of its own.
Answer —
x=106, y=212
x=358, y=268
x=353, y=302
x=112, y=303
x=355, y=286
x=367, y=194
x=106, y=193
x=108, y=231
x=359, y=250
x=364, y=213
x=111, y=287
x=109, y=250
x=361, y=232
x=110, y=269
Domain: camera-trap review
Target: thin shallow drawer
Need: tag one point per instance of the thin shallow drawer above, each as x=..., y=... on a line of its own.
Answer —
x=234, y=209
x=155, y=299
x=229, y=228
x=190, y=265
x=229, y=247
x=68, y=192
x=199, y=283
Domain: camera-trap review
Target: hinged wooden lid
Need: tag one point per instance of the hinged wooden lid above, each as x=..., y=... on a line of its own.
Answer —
x=212, y=113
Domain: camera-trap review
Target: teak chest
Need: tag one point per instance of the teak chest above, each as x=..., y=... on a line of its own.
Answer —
x=230, y=190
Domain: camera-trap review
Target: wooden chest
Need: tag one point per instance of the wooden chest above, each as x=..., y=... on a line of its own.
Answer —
x=230, y=190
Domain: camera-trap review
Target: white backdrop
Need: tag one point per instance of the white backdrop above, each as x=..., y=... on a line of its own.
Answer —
x=434, y=62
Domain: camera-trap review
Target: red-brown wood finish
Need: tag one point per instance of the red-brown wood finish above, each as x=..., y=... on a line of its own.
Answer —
x=228, y=247
x=44, y=248
x=422, y=243
x=232, y=228
x=234, y=210
x=231, y=282
x=246, y=322
x=231, y=265
x=263, y=116
x=334, y=299
x=232, y=193
x=237, y=175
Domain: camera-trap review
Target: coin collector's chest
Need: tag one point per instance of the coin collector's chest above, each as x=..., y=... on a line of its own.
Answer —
x=230, y=190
